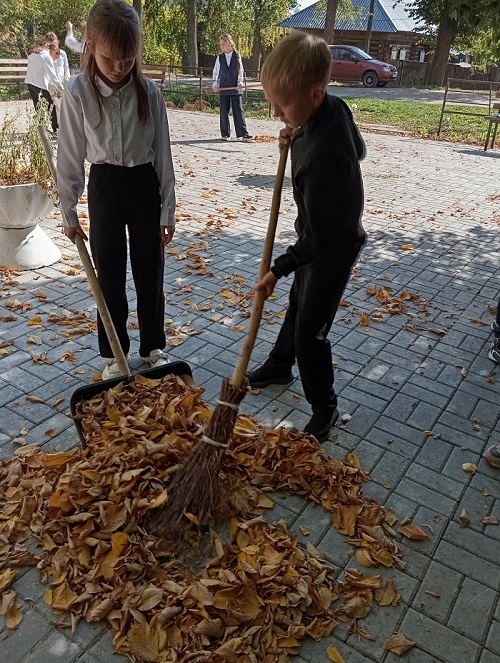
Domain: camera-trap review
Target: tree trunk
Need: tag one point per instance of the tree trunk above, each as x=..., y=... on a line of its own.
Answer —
x=447, y=32
x=192, y=47
x=137, y=5
x=256, y=53
x=331, y=12
x=369, y=26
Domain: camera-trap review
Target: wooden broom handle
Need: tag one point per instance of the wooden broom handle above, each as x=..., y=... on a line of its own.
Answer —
x=265, y=263
x=102, y=307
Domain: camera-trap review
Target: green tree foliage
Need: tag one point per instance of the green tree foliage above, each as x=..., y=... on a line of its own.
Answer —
x=454, y=19
x=26, y=23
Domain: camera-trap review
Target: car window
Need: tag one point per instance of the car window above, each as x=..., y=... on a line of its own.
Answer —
x=344, y=54
x=335, y=54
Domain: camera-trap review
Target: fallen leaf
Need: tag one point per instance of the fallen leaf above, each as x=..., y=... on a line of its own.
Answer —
x=470, y=468
x=413, y=532
x=398, y=644
x=490, y=520
x=334, y=655
x=464, y=519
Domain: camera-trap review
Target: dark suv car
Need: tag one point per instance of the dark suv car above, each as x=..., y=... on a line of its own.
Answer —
x=350, y=63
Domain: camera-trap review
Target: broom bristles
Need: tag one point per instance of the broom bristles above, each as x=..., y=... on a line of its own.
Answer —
x=196, y=488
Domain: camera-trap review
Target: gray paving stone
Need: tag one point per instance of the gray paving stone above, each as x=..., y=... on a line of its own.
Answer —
x=471, y=614
x=474, y=542
x=443, y=581
x=380, y=623
x=477, y=506
x=435, y=480
x=423, y=495
x=316, y=520
x=437, y=640
x=30, y=633
x=489, y=657
x=493, y=639
x=56, y=648
x=390, y=468
x=102, y=650
x=468, y=564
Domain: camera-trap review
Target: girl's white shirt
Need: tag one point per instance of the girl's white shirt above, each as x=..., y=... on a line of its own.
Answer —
x=216, y=71
x=62, y=67
x=115, y=137
x=41, y=71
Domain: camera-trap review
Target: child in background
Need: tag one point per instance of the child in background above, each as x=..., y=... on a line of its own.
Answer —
x=61, y=59
x=228, y=73
x=326, y=149
x=42, y=81
x=114, y=118
x=71, y=41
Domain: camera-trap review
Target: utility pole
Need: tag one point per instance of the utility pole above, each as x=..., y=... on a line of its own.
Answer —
x=369, y=26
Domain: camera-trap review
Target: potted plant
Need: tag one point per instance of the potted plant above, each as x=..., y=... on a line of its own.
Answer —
x=27, y=194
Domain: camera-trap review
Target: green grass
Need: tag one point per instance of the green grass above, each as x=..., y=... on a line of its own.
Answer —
x=422, y=119
x=418, y=119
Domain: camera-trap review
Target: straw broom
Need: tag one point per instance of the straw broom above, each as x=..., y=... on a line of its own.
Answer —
x=196, y=489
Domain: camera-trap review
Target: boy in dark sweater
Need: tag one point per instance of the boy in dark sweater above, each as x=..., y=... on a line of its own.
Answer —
x=326, y=148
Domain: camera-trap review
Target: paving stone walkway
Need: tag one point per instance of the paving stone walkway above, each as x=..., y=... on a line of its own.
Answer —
x=423, y=396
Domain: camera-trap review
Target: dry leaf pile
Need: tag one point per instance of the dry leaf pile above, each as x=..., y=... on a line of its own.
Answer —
x=257, y=597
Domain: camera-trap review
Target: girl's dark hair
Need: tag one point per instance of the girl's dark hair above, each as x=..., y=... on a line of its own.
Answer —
x=115, y=24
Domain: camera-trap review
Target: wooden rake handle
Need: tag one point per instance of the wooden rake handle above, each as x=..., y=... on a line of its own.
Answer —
x=102, y=307
x=265, y=263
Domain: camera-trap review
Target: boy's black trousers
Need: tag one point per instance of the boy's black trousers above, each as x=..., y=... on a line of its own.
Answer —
x=120, y=199
x=315, y=296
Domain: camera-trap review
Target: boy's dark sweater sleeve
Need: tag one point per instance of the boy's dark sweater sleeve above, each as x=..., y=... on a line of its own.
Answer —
x=329, y=195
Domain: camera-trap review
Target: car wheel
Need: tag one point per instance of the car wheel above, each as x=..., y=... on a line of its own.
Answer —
x=382, y=84
x=370, y=79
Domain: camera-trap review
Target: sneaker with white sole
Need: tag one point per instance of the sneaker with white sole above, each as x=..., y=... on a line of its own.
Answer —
x=492, y=456
x=156, y=358
x=111, y=369
x=496, y=328
x=494, y=351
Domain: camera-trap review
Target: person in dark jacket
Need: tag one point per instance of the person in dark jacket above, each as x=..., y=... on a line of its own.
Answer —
x=227, y=79
x=326, y=150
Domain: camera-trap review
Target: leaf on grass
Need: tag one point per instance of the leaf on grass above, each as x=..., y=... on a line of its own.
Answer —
x=398, y=644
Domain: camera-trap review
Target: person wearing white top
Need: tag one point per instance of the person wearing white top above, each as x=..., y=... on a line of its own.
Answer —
x=227, y=79
x=42, y=81
x=61, y=66
x=114, y=118
x=71, y=41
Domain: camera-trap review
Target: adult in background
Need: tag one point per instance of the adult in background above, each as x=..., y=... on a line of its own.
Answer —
x=228, y=73
x=42, y=81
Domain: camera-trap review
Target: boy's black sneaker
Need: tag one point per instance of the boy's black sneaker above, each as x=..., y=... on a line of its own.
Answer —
x=494, y=353
x=266, y=375
x=496, y=328
x=322, y=422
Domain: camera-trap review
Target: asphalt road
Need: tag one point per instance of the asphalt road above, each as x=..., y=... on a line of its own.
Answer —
x=394, y=93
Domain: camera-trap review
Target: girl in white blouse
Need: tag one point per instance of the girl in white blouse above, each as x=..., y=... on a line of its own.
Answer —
x=114, y=118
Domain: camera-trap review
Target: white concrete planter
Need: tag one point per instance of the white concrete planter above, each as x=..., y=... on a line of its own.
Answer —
x=23, y=244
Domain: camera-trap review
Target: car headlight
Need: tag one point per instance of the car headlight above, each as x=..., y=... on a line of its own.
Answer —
x=387, y=68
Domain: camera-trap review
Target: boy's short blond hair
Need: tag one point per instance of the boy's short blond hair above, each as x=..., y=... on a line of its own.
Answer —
x=297, y=63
